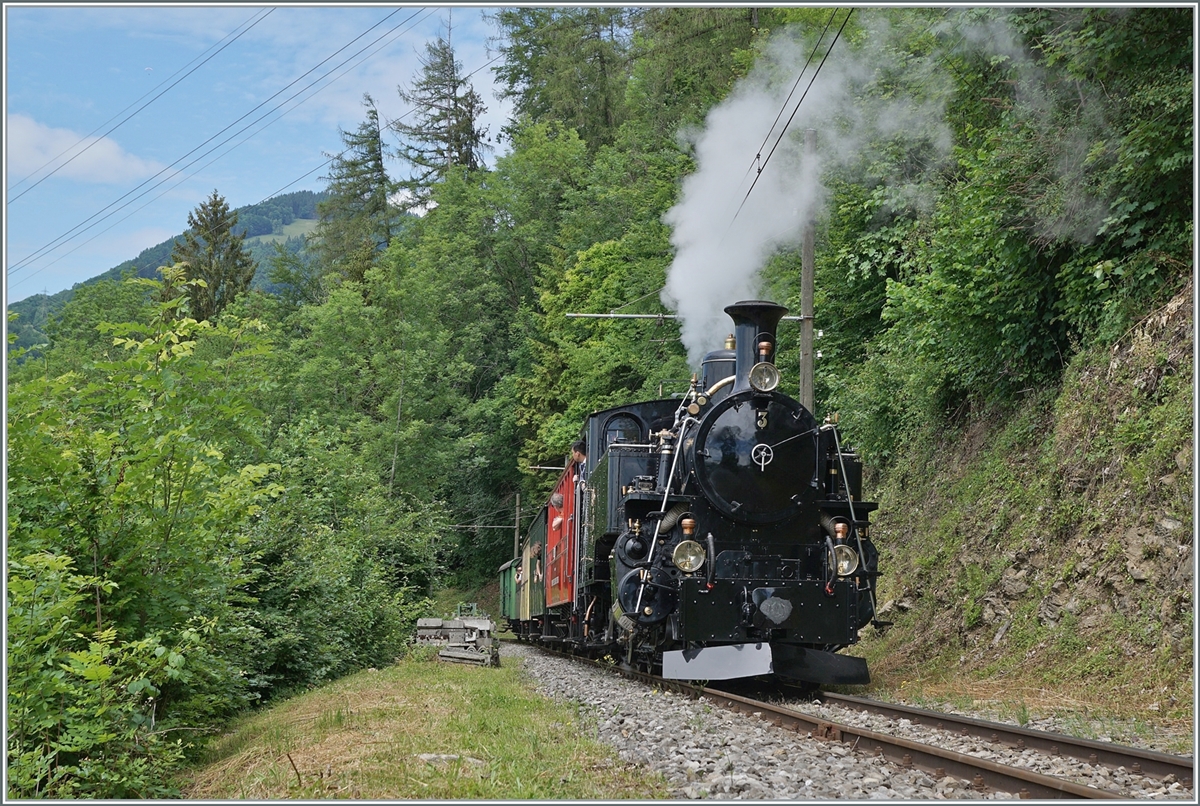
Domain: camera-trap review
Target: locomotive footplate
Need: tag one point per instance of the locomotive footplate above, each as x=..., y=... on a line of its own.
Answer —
x=748, y=660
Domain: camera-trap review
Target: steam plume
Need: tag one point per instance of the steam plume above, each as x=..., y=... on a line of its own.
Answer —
x=865, y=98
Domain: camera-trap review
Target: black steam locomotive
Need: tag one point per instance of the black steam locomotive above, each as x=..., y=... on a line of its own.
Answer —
x=717, y=537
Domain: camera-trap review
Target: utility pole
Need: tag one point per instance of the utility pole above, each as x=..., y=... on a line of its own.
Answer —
x=806, y=290
x=517, y=529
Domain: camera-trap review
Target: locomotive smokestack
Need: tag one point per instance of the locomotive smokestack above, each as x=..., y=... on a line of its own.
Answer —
x=754, y=324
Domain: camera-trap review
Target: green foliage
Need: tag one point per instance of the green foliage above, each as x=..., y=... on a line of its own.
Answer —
x=270, y=495
x=1045, y=234
x=681, y=62
x=345, y=560
x=118, y=468
x=283, y=210
x=582, y=365
x=296, y=274
x=212, y=252
x=80, y=709
x=567, y=65
x=357, y=218
x=38, y=309
x=74, y=332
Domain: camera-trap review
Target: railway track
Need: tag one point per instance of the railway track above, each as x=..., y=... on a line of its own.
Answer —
x=1002, y=773
x=1138, y=761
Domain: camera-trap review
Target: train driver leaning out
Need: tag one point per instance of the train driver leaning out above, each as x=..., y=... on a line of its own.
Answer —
x=579, y=457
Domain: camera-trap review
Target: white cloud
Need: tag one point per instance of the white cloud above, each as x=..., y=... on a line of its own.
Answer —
x=31, y=145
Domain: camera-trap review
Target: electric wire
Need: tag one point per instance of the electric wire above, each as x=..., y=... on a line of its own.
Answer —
x=76, y=230
x=50, y=247
x=219, y=156
x=793, y=116
x=133, y=114
x=23, y=263
x=79, y=228
x=389, y=123
x=788, y=100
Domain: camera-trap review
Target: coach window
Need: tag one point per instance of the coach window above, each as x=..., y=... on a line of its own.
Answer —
x=622, y=428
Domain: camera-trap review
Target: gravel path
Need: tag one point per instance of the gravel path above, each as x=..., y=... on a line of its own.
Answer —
x=706, y=752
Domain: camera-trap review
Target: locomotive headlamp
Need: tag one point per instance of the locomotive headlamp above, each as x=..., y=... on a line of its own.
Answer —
x=844, y=560
x=688, y=556
x=764, y=376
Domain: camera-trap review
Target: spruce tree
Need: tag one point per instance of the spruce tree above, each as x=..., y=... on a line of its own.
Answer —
x=357, y=218
x=445, y=132
x=566, y=64
x=211, y=251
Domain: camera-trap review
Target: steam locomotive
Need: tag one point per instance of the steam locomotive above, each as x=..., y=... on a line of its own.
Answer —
x=715, y=537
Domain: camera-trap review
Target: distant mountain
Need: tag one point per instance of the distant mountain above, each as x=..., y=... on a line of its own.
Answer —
x=282, y=219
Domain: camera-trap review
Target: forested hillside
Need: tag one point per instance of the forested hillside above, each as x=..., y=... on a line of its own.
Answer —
x=268, y=217
x=205, y=515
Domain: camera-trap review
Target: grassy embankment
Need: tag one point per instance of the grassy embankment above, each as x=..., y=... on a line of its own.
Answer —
x=1040, y=559
x=418, y=730
x=487, y=596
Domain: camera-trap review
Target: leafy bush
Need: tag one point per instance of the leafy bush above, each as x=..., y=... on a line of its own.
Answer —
x=80, y=709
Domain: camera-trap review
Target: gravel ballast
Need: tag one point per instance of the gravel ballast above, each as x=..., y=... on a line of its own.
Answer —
x=706, y=752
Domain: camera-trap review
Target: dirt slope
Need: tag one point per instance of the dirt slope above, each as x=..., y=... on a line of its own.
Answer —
x=1044, y=553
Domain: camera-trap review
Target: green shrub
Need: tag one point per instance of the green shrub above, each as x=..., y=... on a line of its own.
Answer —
x=80, y=708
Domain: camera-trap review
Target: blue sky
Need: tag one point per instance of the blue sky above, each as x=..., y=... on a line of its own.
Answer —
x=69, y=70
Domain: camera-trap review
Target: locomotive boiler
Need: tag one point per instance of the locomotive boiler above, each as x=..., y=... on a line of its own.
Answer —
x=719, y=536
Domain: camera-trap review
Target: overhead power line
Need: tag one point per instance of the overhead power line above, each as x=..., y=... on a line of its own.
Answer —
x=247, y=138
x=96, y=218
x=77, y=231
x=555, y=23
x=79, y=228
x=25, y=262
x=792, y=116
x=134, y=113
x=788, y=100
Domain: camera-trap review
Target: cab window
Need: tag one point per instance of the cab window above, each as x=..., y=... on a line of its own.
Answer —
x=622, y=428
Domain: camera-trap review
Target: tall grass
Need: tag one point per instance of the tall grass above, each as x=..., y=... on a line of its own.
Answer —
x=423, y=730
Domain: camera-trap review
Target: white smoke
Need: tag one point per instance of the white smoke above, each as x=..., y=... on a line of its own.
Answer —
x=868, y=98
x=719, y=250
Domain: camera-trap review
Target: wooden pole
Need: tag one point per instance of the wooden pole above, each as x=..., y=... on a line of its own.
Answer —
x=517, y=529
x=806, y=291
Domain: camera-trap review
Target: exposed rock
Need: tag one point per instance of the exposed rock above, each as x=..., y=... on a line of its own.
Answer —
x=1183, y=459
x=1142, y=550
x=1049, y=611
x=1000, y=633
x=1013, y=583
x=993, y=610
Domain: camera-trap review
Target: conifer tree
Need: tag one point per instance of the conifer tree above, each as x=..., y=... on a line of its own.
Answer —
x=212, y=252
x=445, y=132
x=357, y=218
x=566, y=64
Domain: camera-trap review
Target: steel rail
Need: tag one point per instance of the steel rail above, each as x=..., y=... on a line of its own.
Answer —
x=1134, y=759
x=982, y=773
x=937, y=761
